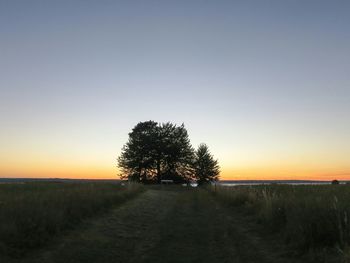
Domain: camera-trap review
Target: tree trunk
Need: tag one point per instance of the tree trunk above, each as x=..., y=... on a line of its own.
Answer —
x=159, y=176
x=144, y=176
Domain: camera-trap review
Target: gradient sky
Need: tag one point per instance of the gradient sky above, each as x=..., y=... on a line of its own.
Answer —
x=266, y=84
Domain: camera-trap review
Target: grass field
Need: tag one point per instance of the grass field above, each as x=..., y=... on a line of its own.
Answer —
x=33, y=213
x=309, y=218
x=102, y=222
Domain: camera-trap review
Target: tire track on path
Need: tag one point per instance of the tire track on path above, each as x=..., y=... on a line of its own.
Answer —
x=168, y=225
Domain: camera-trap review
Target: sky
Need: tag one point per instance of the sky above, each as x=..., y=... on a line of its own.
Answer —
x=265, y=84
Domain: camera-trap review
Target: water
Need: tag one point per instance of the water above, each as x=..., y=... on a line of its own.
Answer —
x=237, y=183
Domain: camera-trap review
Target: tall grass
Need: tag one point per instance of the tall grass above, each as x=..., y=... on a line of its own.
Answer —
x=32, y=213
x=308, y=217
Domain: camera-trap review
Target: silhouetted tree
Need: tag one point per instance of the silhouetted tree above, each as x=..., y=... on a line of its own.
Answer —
x=155, y=151
x=206, y=167
x=335, y=182
x=136, y=160
x=178, y=153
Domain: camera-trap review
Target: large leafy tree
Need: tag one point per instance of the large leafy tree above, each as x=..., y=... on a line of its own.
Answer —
x=155, y=151
x=136, y=161
x=178, y=153
x=206, y=167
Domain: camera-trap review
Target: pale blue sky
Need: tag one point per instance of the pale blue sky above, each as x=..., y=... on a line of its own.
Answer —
x=261, y=82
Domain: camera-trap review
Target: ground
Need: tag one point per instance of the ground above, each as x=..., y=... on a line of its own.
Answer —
x=166, y=224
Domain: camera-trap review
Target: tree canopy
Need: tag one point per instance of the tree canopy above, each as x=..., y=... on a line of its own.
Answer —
x=156, y=151
x=206, y=167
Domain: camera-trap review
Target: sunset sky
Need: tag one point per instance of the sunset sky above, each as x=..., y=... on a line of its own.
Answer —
x=266, y=84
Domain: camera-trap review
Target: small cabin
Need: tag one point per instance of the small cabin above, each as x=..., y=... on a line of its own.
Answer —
x=166, y=181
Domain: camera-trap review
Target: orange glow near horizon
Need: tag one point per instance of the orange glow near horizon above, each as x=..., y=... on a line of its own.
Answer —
x=286, y=175
x=91, y=172
x=267, y=89
x=90, y=160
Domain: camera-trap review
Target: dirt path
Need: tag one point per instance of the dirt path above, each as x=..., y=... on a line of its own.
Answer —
x=202, y=230
x=163, y=226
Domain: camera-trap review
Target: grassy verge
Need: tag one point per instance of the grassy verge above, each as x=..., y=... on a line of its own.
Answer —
x=308, y=218
x=32, y=213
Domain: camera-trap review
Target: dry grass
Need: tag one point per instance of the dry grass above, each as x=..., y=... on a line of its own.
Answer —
x=307, y=217
x=32, y=213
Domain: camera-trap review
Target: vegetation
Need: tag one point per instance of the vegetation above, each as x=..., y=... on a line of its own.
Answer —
x=308, y=218
x=32, y=213
x=206, y=168
x=280, y=223
x=171, y=224
x=157, y=151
